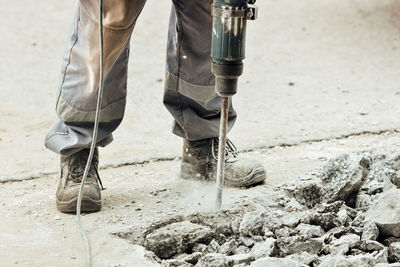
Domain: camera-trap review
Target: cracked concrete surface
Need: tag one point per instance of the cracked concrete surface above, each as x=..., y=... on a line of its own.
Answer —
x=138, y=195
x=321, y=78
x=324, y=69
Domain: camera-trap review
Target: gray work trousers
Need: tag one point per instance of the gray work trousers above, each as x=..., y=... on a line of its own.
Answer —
x=189, y=84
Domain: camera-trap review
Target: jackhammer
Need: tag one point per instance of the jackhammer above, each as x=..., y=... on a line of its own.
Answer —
x=227, y=53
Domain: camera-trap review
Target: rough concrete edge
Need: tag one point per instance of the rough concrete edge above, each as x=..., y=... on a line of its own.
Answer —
x=129, y=162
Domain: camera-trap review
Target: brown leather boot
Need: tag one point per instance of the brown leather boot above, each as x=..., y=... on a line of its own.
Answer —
x=72, y=168
x=199, y=162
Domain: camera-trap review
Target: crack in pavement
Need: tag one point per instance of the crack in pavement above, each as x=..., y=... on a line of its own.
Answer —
x=117, y=164
x=329, y=138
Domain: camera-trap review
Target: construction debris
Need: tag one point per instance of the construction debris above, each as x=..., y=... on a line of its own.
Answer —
x=320, y=222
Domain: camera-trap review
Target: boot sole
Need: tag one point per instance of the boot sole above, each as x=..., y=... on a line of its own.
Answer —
x=257, y=176
x=88, y=205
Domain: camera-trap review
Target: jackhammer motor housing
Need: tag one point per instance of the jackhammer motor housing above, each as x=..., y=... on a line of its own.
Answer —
x=228, y=42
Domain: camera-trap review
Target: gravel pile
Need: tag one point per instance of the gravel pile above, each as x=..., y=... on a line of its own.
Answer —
x=349, y=216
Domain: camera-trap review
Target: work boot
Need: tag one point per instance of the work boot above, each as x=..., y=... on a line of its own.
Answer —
x=72, y=168
x=200, y=159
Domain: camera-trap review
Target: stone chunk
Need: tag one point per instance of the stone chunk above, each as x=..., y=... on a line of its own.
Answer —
x=202, y=248
x=242, y=250
x=264, y=249
x=238, y=259
x=213, y=247
x=272, y=221
x=228, y=248
x=395, y=179
x=370, y=231
x=246, y=241
x=176, y=238
x=363, y=201
x=385, y=212
x=390, y=240
x=283, y=232
x=327, y=220
x=212, y=260
x=370, y=245
x=381, y=256
x=329, y=207
x=394, y=252
x=305, y=258
x=297, y=244
x=276, y=262
x=252, y=223
x=351, y=261
x=292, y=219
x=309, y=230
x=343, y=217
x=235, y=225
x=193, y=258
x=307, y=194
x=334, y=261
x=362, y=260
x=342, y=245
x=344, y=175
x=359, y=220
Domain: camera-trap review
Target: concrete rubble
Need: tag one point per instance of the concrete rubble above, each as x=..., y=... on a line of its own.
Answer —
x=385, y=212
x=321, y=224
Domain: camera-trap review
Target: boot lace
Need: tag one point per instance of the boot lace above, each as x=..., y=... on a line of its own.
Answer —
x=230, y=149
x=76, y=170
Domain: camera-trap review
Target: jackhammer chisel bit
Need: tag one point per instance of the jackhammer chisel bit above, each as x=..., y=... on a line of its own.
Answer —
x=227, y=53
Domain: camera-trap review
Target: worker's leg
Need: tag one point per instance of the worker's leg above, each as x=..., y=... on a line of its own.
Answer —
x=190, y=97
x=189, y=86
x=76, y=104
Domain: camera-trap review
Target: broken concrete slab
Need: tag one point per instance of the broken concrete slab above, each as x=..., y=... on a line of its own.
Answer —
x=264, y=249
x=176, y=238
x=344, y=176
x=297, y=244
x=256, y=229
x=252, y=223
x=385, y=212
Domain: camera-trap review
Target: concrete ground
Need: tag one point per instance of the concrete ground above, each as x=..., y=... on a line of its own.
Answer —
x=321, y=76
